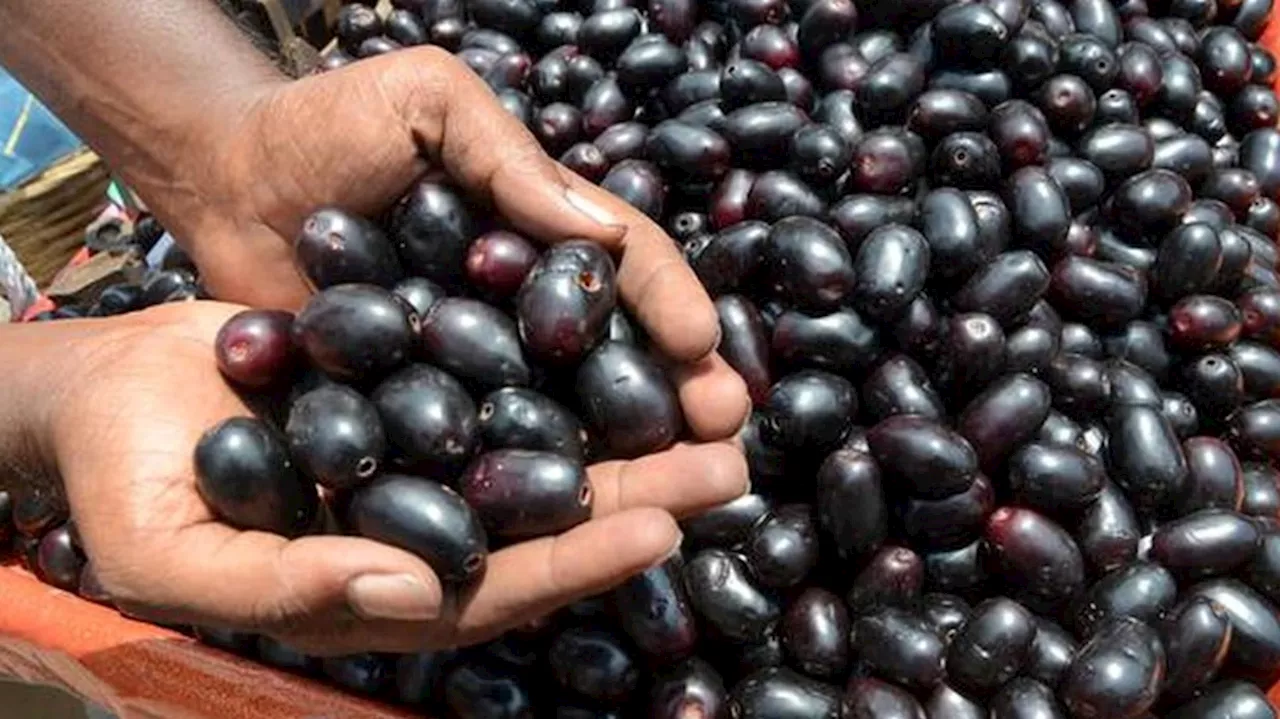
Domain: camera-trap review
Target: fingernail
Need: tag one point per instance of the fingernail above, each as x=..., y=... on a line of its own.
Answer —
x=403, y=597
x=586, y=206
x=671, y=553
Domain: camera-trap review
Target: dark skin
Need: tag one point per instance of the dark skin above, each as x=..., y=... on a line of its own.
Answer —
x=231, y=156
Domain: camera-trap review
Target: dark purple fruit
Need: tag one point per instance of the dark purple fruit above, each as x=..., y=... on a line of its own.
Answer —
x=564, y=306
x=1005, y=288
x=1034, y=556
x=967, y=160
x=886, y=162
x=1108, y=532
x=969, y=35
x=689, y=689
x=726, y=526
x=654, y=611
x=1118, y=673
x=746, y=82
x=869, y=698
x=1025, y=698
x=1039, y=208
x=992, y=646
x=1234, y=699
x=1104, y=294
x=884, y=93
x=593, y=664
x=429, y=417
x=1195, y=636
x=779, y=693
x=892, y=577
x=355, y=332
x=521, y=494
x=850, y=503
x=355, y=24
x=255, y=348
x=498, y=262
x=1210, y=542
x=475, y=342
x=336, y=437
x=418, y=294
x=244, y=474
x=518, y=418
x=628, y=400
x=761, y=132
x=476, y=689
x=890, y=268
x=729, y=259
x=724, y=595
x=1145, y=458
x=425, y=518
x=59, y=561
x=900, y=646
x=783, y=547
x=744, y=344
x=1067, y=103
x=1142, y=590
x=1201, y=323
x=810, y=410
x=431, y=229
x=815, y=634
x=951, y=522
x=1259, y=366
x=935, y=114
x=776, y=195
x=1255, y=641
x=1006, y=414
x=1020, y=132
x=336, y=247
x=1050, y=654
x=899, y=385
x=1214, y=477
x=1055, y=478
x=688, y=151
x=934, y=461
x=363, y=673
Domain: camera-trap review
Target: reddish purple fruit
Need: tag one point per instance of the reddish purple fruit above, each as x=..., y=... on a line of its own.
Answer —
x=499, y=261
x=255, y=348
x=521, y=494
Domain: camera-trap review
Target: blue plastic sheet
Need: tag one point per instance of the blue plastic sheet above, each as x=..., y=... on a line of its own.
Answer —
x=31, y=138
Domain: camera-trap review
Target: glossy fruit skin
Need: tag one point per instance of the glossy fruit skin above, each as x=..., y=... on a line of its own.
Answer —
x=1261, y=490
x=519, y=418
x=891, y=267
x=354, y=332
x=1207, y=543
x=640, y=184
x=593, y=664
x=498, y=262
x=58, y=561
x=961, y=571
x=809, y=410
x=933, y=460
x=947, y=703
x=892, y=577
x=1233, y=699
x=335, y=247
x=850, y=503
x=336, y=437
x=885, y=161
x=476, y=689
x=729, y=259
x=429, y=417
x=759, y=132
x=889, y=86
x=244, y=474
x=1081, y=385
x=1260, y=311
x=1202, y=323
x=1006, y=414
x=425, y=518
x=689, y=688
x=418, y=294
x=1050, y=653
x=935, y=114
x=1005, y=288
x=1145, y=458
x=1254, y=430
x=809, y=264
x=991, y=647
x=628, y=400
x=952, y=522
x=967, y=160
x=522, y=494
x=563, y=308
x=1195, y=636
x=1053, y=478
x=1187, y=263
x=1025, y=698
x=819, y=154
x=1039, y=207
x=1214, y=477
x=746, y=82
x=783, y=547
x=779, y=693
x=364, y=673
x=725, y=596
x=654, y=611
x=869, y=698
x=899, y=385
x=901, y=646
x=841, y=342
x=744, y=344
x=475, y=342
x=1255, y=641
x=1142, y=590
x=689, y=151
x=815, y=633
x=1098, y=293
x=776, y=195
x=1033, y=555
x=255, y=349
x=1259, y=367
x=1117, y=673
x=604, y=35
x=431, y=229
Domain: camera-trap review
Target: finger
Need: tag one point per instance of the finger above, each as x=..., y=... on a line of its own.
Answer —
x=322, y=594
x=489, y=152
x=655, y=281
x=539, y=576
x=713, y=396
x=683, y=480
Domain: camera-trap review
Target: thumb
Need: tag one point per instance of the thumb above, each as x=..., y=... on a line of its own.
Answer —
x=323, y=594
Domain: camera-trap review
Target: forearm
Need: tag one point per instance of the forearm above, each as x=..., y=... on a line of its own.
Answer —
x=28, y=372
x=151, y=85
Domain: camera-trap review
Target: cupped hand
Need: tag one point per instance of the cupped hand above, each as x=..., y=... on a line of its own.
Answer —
x=135, y=394
x=360, y=136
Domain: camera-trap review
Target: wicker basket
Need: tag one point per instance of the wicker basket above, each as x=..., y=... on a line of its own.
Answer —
x=44, y=220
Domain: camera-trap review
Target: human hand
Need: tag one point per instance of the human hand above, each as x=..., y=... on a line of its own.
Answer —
x=359, y=137
x=135, y=394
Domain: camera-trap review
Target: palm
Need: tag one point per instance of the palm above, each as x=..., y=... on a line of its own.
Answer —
x=129, y=479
